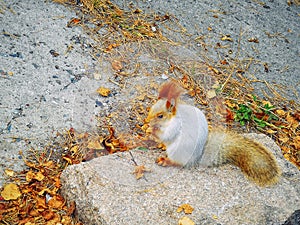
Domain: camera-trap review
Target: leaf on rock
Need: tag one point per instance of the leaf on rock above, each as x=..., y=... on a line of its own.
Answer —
x=185, y=221
x=188, y=209
x=139, y=171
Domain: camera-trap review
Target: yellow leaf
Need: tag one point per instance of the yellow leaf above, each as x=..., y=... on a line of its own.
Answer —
x=11, y=192
x=280, y=112
x=188, y=209
x=31, y=175
x=74, y=149
x=39, y=176
x=215, y=217
x=226, y=38
x=284, y=140
x=270, y=131
x=103, y=91
x=185, y=221
x=9, y=172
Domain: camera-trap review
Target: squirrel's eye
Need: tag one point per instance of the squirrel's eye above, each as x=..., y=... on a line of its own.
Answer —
x=160, y=116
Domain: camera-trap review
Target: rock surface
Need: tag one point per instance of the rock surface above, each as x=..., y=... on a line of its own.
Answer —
x=106, y=192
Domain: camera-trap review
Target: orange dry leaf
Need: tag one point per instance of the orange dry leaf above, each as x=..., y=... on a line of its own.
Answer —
x=73, y=22
x=292, y=121
x=103, y=91
x=188, y=209
x=223, y=62
x=57, y=182
x=296, y=143
x=37, y=176
x=57, y=202
x=139, y=171
x=34, y=212
x=48, y=214
x=71, y=208
x=40, y=202
x=10, y=192
x=110, y=47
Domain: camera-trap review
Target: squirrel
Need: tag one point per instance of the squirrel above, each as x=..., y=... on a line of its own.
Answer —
x=183, y=130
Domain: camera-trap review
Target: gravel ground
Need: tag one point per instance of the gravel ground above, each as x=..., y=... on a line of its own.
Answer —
x=274, y=24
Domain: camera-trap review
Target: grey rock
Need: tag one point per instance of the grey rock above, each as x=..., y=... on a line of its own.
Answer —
x=106, y=191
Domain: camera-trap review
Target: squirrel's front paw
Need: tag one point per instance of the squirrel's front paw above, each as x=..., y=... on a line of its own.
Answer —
x=165, y=161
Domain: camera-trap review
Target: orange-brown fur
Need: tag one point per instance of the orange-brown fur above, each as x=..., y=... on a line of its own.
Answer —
x=170, y=91
x=254, y=160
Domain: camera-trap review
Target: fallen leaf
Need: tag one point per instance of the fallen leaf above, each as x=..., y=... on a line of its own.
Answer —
x=103, y=91
x=30, y=175
x=211, y=94
x=95, y=144
x=292, y=121
x=139, y=171
x=226, y=38
x=57, y=202
x=9, y=172
x=296, y=143
x=71, y=209
x=73, y=22
x=280, y=112
x=48, y=214
x=10, y=192
x=255, y=40
x=40, y=202
x=284, y=140
x=185, y=221
x=188, y=209
x=116, y=65
x=270, y=131
x=223, y=62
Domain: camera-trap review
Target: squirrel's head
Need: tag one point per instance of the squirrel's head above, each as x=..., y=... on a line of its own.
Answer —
x=164, y=109
x=159, y=116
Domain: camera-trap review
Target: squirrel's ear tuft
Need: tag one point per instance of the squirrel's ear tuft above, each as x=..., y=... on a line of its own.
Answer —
x=171, y=107
x=170, y=91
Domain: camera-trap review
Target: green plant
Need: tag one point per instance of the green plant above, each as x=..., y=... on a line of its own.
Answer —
x=243, y=114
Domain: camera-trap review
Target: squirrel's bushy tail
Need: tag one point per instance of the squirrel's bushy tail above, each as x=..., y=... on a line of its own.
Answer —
x=255, y=160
